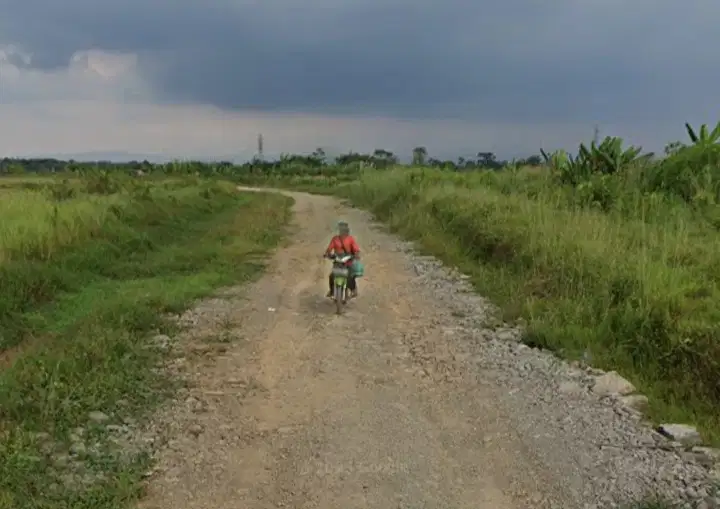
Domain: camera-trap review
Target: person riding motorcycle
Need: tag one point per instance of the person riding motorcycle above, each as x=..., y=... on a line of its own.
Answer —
x=341, y=244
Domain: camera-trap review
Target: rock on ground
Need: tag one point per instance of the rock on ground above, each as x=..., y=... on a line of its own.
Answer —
x=612, y=384
x=682, y=433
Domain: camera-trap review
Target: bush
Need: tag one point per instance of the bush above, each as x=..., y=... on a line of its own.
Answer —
x=692, y=173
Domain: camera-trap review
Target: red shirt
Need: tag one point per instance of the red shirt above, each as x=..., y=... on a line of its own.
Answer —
x=348, y=245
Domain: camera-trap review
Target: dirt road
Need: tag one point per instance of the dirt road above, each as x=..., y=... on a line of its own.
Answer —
x=388, y=406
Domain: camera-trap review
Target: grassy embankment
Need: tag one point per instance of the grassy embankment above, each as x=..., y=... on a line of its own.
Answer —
x=87, y=270
x=633, y=282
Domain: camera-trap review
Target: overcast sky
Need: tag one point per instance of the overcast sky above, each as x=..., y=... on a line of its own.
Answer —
x=201, y=78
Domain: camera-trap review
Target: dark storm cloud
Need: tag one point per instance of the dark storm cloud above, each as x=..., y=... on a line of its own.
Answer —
x=514, y=61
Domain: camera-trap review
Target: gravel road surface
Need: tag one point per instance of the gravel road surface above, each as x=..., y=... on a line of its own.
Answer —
x=411, y=399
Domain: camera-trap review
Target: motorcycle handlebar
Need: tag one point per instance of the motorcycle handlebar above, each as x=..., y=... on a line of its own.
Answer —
x=331, y=257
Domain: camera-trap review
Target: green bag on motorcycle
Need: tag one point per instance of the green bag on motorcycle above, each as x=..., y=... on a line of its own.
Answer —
x=358, y=270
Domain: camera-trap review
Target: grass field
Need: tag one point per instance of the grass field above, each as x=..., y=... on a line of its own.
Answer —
x=88, y=268
x=633, y=287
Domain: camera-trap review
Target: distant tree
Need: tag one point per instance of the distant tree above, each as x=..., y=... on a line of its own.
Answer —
x=384, y=158
x=419, y=156
x=533, y=161
x=319, y=155
x=352, y=157
x=445, y=165
x=14, y=168
x=486, y=158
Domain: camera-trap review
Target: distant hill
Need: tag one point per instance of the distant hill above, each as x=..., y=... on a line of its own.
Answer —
x=124, y=157
x=115, y=157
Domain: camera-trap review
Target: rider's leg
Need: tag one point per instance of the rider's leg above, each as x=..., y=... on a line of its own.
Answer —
x=332, y=285
x=352, y=286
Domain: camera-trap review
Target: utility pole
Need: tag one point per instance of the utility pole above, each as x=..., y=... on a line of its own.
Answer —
x=596, y=135
x=260, y=146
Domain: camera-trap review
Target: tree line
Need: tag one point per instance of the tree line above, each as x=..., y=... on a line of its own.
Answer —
x=379, y=158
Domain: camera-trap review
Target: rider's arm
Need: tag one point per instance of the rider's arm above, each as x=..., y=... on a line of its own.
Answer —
x=330, y=247
x=355, y=248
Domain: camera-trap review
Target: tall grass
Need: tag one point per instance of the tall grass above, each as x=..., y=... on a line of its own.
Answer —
x=635, y=287
x=81, y=310
x=35, y=226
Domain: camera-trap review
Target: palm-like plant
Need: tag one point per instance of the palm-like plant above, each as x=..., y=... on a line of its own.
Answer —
x=704, y=136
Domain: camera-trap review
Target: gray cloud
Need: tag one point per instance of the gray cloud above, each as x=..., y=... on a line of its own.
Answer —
x=517, y=61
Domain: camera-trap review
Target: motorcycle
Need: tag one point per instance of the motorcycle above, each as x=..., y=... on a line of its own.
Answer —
x=341, y=273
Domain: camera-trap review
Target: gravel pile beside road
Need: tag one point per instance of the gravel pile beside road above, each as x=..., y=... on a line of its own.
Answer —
x=585, y=424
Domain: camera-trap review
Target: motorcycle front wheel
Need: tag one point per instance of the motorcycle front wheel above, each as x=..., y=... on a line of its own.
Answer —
x=339, y=297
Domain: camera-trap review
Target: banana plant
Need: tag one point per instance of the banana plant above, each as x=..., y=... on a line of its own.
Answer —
x=705, y=136
x=609, y=157
x=557, y=159
x=570, y=169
